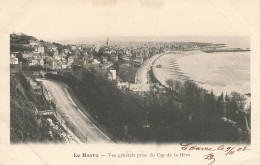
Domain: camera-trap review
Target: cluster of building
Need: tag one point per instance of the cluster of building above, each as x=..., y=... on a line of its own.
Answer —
x=135, y=53
x=38, y=57
x=54, y=56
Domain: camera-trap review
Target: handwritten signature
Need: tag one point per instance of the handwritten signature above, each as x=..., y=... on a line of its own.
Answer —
x=229, y=150
x=210, y=157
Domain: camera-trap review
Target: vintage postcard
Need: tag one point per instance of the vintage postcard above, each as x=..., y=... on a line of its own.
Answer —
x=130, y=82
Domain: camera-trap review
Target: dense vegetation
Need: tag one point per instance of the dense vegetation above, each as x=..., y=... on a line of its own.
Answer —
x=18, y=42
x=127, y=73
x=20, y=38
x=113, y=108
x=26, y=125
x=223, y=118
x=185, y=113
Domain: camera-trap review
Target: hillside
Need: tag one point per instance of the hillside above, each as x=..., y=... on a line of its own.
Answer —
x=26, y=103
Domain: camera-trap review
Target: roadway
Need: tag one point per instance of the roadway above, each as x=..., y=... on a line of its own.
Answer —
x=71, y=111
x=142, y=78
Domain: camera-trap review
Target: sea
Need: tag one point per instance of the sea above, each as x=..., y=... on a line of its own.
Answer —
x=219, y=71
x=231, y=42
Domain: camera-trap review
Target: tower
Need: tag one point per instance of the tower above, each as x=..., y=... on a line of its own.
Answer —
x=222, y=103
x=107, y=40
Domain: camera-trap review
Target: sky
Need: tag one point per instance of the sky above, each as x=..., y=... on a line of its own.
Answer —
x=67, y=19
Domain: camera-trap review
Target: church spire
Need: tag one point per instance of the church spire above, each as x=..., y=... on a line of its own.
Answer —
x=107, y=40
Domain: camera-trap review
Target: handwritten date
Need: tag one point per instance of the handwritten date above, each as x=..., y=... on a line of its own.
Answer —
x=228, y=150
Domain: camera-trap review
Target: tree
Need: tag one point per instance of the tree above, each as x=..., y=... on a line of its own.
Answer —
x=239, y=99
x=177, y=86
x=170, y=83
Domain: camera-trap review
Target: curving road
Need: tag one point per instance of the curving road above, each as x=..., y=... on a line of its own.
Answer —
x=71, y=111
x=142, y=73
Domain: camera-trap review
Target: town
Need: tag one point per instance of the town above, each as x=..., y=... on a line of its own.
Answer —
x=122, y=59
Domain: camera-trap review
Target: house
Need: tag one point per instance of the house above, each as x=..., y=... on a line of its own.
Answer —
x=63, y=60
x=41, y=62
x=126, y=59
x=55, y=53
x=73, y=47
x=59, y=65
x=14, y=61
x=134, y=52
x=138, y=61
x=113, y=57
x=27, y=55
x=38, y=57
x=109, y=76
x=64, y=66
x=53, y=47
x=32, y=62
x=139, y=87
x=79, y=47
x=33, y=42
x=157, y=51
x=95, y=61
x=139, y=54
x=44, y=55
x=63, y=55
x=56, y=57
x=52, y=63
x=104, y=60
x=95, y=48
x=128, y=54
x=39, y=49
x=122, y=85
x=161, y=89
x=66, y=51
x=13, y=55
x=107, y=51
x=146, y=54
x=113, y=72
x=70, y=60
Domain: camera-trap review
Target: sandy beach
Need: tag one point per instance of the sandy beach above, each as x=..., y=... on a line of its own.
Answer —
x=220, y=72
x=166, y=67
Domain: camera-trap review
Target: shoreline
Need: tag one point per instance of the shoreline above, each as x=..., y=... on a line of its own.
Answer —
x=170, y=66
x=177, y=73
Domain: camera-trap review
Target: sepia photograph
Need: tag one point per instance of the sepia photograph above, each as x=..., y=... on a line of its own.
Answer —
x=130, y=90
x=130, y=82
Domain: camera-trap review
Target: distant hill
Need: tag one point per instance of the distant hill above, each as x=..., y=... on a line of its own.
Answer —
x=20, y=38
x=20, y=42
